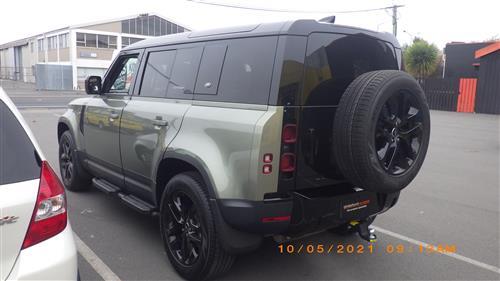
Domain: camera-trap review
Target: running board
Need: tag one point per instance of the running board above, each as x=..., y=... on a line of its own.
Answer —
x=105, y=186
x=129, y=200
x=137, y=204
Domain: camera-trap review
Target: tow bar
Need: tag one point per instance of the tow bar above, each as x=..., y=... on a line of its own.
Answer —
x=364, y=231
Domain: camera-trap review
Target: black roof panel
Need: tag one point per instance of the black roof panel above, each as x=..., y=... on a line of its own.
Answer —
x=296, y=27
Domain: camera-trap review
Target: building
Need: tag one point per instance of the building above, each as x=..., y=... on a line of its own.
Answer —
x=475, y=70
x=488, y=88
x=460, y=61
x=63, y=58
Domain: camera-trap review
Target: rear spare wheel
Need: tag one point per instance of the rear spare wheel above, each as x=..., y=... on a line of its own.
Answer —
x=381, y=131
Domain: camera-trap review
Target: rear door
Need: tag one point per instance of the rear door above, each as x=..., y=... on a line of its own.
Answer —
x=19, y=177
x=154, y=114
x=332, y=62
x=101, y=123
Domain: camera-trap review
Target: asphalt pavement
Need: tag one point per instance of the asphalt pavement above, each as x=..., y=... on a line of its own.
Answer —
x=454, y=201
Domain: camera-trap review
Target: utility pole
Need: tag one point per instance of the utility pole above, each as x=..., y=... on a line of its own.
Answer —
x=395, y=19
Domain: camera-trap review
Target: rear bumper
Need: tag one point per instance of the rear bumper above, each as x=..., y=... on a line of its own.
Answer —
x=304, y=212
x=52, y=259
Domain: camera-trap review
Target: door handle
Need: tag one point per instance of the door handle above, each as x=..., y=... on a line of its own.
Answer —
x=160, y=123
x=113, y=115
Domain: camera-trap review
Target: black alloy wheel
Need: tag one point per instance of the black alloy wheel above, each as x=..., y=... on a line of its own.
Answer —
x=66, y=161
x=398, y=134
x=185, y=233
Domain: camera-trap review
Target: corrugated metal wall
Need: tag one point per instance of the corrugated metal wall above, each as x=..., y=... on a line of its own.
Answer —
x=441, y=94
x=54, y=77
x=467, y=95
x=488, y=90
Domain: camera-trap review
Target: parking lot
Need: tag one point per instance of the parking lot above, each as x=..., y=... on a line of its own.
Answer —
x=454, y=201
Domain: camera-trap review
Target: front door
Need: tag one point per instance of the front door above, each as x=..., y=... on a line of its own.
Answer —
x=152, y=118
x=102, y=117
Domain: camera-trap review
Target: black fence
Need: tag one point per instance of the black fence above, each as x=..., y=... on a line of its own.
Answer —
x=441, y=94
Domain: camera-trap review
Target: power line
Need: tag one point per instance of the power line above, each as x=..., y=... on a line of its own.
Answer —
x=290, y=11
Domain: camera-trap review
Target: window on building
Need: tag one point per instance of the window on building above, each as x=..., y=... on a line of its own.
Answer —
x=32, y=46
x=132, y=29
x=96, y=41
x=129, y=40
x=112, y=42
x=157, y=74
x=63, y=41
x=52, y=42
x=184, y=73
x=80, y=39
x=102, y=41
x=41, y=46
x=150, y=26
x=157, y=26
x=126, y=26
x=90, y=40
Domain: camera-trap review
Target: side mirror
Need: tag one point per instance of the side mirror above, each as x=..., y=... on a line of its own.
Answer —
x=93, y=85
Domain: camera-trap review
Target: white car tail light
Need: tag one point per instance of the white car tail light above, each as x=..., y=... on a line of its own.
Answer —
x=50, y=216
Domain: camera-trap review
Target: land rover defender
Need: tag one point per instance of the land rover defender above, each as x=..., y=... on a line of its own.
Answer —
x=233, y=135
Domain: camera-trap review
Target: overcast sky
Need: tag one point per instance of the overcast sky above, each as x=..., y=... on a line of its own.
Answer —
x=436, y=21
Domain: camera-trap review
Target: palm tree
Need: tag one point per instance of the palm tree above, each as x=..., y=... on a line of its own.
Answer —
x=421, y=58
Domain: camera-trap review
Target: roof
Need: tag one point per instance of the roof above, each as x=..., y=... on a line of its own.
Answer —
x=296, y=27
x=487, y=50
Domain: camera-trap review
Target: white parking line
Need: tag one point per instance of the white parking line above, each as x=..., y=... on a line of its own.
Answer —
x=40, y=106
x=452, y=255
x=97, y=264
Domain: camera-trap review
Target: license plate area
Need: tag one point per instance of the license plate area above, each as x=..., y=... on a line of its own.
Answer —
x=358, y=205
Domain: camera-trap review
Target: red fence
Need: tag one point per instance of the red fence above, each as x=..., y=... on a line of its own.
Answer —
x=467, y=96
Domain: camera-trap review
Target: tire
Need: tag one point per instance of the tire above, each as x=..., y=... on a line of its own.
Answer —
x=346, y=229
x=381, y=131
x=73, y=174
x=186, y=194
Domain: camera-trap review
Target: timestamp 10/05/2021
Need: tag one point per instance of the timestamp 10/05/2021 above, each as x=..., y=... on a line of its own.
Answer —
x=364, y=248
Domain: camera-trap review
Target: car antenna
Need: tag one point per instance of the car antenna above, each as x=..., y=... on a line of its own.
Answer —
x=330, y=19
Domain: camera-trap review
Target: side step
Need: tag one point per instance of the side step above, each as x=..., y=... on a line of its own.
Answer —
x=129, y=200
x=105, y=186
x=137, y=204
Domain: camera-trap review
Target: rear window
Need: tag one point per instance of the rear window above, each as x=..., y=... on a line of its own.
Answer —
x=333, y=61
x=18, y=157
x=157, y=74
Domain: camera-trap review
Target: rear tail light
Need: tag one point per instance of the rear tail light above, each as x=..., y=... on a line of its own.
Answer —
x=289, y=133
x=49, y=217
x=287, y=162
x=276, y=219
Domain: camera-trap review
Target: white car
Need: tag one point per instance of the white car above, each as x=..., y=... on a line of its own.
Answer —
x=36, y=240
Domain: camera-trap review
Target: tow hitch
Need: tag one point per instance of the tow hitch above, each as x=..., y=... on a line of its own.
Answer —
x=364, y=231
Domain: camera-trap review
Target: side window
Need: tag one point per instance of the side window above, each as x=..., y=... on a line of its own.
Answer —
x=18, y=160
x=182, y=81
x=122, y=74
x=157, y=74
x=210, y=68
x=247, y=71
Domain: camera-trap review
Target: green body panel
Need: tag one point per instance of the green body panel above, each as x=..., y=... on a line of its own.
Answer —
x=101, y=129
x=225, y=138
x=228, y=140
x=143, y=143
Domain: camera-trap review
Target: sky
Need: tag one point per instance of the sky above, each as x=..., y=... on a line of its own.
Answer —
x=436, y=21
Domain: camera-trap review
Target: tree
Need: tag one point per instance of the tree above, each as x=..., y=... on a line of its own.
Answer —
x=421, y=58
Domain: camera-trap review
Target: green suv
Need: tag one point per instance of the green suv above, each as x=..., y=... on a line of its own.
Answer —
x=233, y=135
